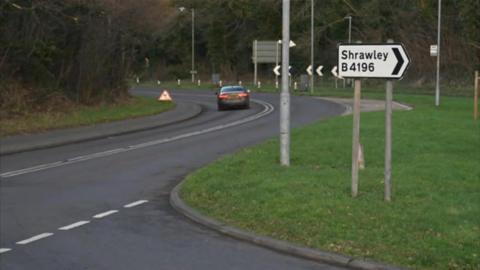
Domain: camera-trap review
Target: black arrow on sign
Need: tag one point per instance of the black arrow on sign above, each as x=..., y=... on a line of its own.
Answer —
x=399, y=57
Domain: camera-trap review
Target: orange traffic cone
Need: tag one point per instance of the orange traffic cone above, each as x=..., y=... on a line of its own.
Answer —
x=165, y=96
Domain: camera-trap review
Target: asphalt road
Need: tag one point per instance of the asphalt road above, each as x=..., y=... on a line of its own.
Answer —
x=103, y=204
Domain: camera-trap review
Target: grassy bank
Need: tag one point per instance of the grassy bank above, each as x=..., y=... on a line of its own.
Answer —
x=82, y=115
x=432, y=223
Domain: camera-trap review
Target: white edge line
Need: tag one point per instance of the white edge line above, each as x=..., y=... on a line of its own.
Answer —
x=32, y=169
x=3, y=250
x=268, y=108
x=104, y=214
x=34, y=238
x=74, y=225
x=133, y=204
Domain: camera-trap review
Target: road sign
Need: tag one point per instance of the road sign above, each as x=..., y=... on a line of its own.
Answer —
x=319, y=71
x=385, y=61
x=165, y=96
x=334, y=72
x=310, y=70
x=276, y=70
x=264, y=51
x=290, y=44
x=433, y=50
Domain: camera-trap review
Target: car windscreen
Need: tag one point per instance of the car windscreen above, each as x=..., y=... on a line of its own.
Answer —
x=232, y=89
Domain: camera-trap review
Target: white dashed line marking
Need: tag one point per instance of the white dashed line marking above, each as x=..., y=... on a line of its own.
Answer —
x=3, y=250
x=133, y=204
x=74, y=225
x=34, y=238
x=104, y=214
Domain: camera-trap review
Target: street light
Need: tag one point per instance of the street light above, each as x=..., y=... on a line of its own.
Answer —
x=311, y=48
x=285, y=92
x=437, y=84
x=349, y=18
x=192, y=71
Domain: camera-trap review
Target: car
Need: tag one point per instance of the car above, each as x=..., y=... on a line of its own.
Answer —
x=233, y=97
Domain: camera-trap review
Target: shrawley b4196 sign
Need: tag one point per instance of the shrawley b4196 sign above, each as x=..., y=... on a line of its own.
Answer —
x=383, y=61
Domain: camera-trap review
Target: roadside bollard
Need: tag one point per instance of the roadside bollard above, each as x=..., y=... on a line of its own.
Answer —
x=240, y=83
x=220, y=83
x=159, y=82
x=295, y=86
x=259, y=84
x=199, y=82
x=138, y=80
x=178, y=82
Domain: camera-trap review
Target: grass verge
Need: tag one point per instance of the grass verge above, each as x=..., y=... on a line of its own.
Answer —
x=82, y=115
x=322, y=88
x=432, y=223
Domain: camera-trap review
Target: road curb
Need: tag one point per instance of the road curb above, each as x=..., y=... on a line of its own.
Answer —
x=183, y=111
x=278, y=245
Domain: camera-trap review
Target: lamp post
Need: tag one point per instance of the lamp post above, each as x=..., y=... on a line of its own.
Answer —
x=285, y=92
x=192, y=71
x=311, y=48
x=349, y=18
x=437, y=84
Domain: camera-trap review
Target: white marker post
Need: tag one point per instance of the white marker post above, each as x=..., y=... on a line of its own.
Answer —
x=383, y=61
